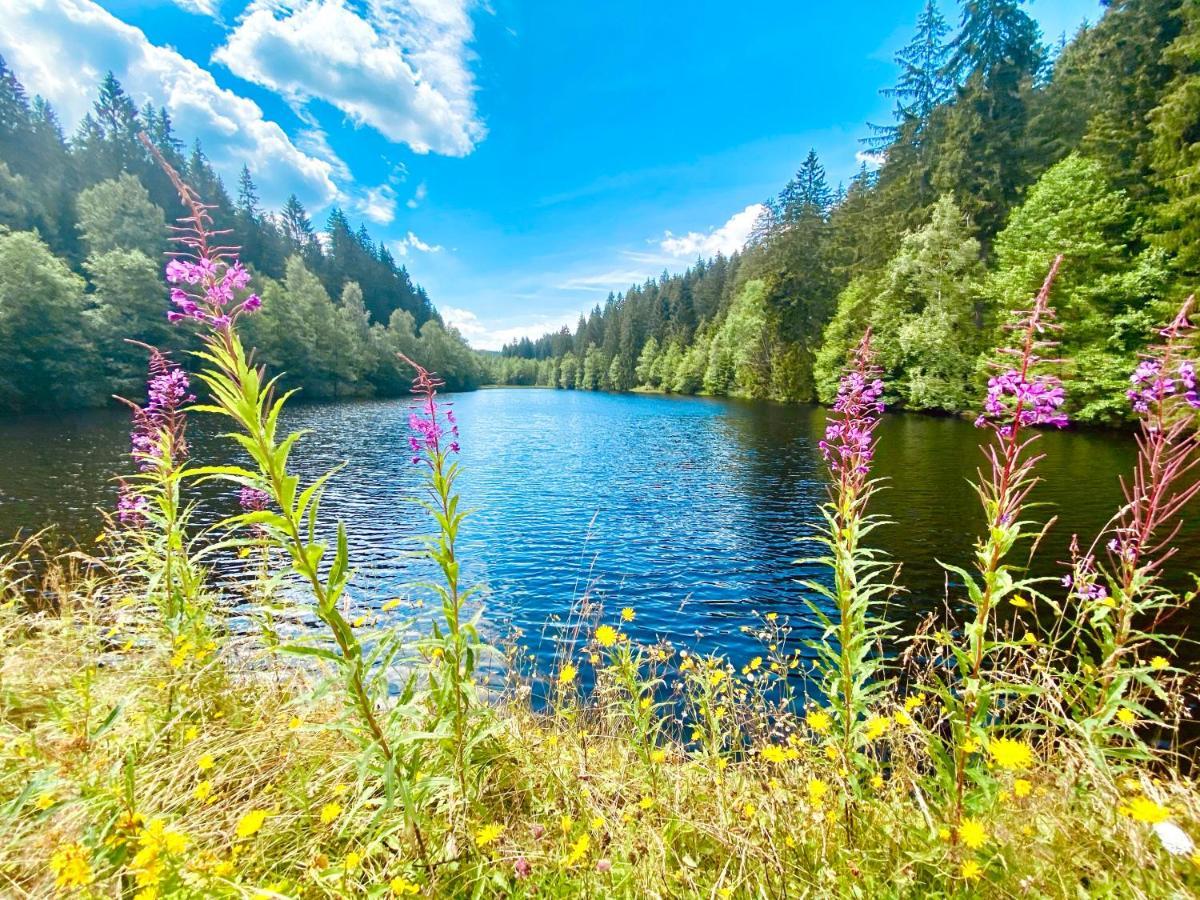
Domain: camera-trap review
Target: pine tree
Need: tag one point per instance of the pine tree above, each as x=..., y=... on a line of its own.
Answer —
x=923, y=84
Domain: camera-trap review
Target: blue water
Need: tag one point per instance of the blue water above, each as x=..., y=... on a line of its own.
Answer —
x=687, y=510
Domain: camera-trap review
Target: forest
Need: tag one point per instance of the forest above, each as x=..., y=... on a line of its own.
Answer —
x=84, y=221
x=1003, y=153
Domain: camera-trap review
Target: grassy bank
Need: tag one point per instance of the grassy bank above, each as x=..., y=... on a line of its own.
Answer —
x=131, y=765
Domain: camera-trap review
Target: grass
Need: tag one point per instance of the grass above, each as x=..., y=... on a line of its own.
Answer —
x=128, y=771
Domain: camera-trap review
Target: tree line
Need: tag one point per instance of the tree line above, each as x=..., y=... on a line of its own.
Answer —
x=83, y=225
x=1002, y=153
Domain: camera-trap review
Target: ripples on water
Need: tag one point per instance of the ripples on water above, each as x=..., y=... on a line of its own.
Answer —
x=684, y=509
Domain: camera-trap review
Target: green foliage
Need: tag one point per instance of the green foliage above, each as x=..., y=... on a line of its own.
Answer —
x=117, y=215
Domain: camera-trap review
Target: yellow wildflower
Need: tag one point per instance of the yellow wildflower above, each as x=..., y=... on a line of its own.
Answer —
x=1019, y=602
x=911, y=703
x=771, y=617
x=1159, y=662
x=1143, y=809
x=402, y=888
x=203, y=790
x=205, y=762
x=831, y=752
x=658, y=756
x=488, y=834
x=773, y=754
x=1022, y=787
x=944, y=834
x=294, y=723
x=352, y=861
x=578, y=849
x=329, y=812
x=606, y=635
x=249, y=824
x=647, y=802
x=627, y=614
x=71, y=866
x=1126, y=716
x=191, y=733
x=972, y=833
x=567, y=674
x=902, y=718
x=818, y=720
x=1010, y=755
x=817, y=789
x=877, y=782
x=970, y=745
x=45, y=800
x=971, y=870
x=877, y=726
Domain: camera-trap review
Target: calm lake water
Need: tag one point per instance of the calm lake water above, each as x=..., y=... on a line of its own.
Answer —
x=684, y=509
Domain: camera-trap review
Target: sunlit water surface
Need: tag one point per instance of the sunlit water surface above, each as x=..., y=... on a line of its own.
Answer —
x=686, y=510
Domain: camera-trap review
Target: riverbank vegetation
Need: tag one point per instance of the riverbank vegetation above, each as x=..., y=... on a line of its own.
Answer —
x=82, y=224
x=1023, y=743
x=1003, y=153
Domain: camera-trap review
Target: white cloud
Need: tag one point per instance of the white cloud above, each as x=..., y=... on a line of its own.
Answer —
x=603, y=282
x=727, y=239
x=492, y=336
x=873, y=160
x=378, y=204
x=62, y=48
x=418, y=196
x=412, y=242
x=210, y=8
x=401, y=67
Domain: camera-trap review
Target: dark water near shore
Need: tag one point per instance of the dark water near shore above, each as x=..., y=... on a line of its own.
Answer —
x=684, y=509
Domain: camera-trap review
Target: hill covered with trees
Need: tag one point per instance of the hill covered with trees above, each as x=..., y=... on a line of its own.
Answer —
x=83, y=225
x=1003, y=152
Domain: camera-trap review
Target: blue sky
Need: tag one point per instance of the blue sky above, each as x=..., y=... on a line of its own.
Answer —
x=523, y=158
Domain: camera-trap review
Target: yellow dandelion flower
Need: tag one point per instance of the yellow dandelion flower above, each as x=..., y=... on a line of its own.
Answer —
x=877, y=782
x=971, y=870
x=944, y=834
x=205, y=763
x=1022, y=788
x=402, y=888
x=191, y=733
x=488, y=834
x=45, y=800
x=329, y=812
x=203, y=791
x=970, y=745
x=567, y=674
x=1143, y=809
x=877, y=726
x=295, y=723
x=627, y=614
x=831, y=753
x=72, y=867
x=647, y=802
x=1010, y=755
x=1126, y=716
x=1159, y=663
x=352, y=862
x=773, y=754
x=902, y=718
x=818, y=720
x=817, y=789
x=658, y=757
x=249, y=824
x=578, y=850
x=606, y=635
x=911, y=703
x=972, y=833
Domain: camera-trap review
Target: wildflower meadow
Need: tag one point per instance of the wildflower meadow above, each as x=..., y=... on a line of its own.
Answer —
x=1023, y=742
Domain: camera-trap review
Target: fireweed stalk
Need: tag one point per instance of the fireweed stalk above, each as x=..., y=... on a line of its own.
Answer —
x=453, y=652
x=1019, y=397
x=1110, y=598
x=210, y=286
x=847, y=666
x=150, y=506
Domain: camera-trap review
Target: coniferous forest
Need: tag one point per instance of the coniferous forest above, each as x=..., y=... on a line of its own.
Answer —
x=1004, y=151
x=83, y=223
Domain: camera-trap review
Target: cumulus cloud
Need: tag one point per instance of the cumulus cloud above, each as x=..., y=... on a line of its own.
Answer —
x=727, y=239
x=492, y=336
x=400, y=66
x=62, y=48
x=412, y=242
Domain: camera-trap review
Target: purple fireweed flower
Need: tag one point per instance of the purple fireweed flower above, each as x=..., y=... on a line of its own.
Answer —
x=849, y=442
x=253, y=500
x=426, y=418
x=1026, y=400
x=131, y=508
x=159, y=425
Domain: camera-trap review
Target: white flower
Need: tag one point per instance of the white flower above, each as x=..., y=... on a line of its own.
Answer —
x=1174, y=839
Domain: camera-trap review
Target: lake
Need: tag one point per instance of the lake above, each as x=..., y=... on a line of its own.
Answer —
x=684, y=509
